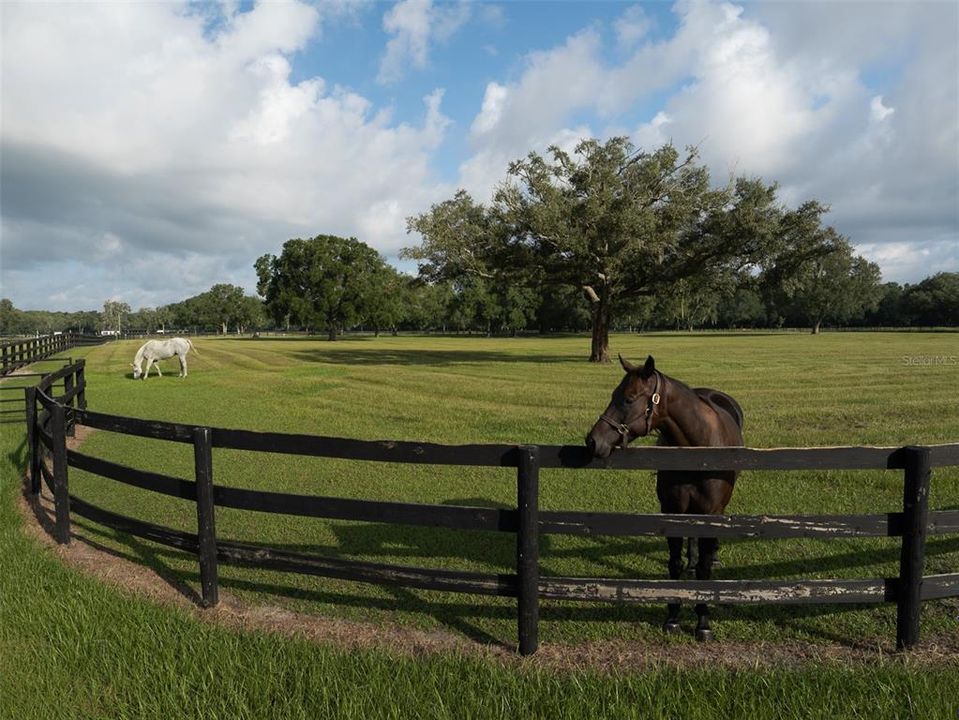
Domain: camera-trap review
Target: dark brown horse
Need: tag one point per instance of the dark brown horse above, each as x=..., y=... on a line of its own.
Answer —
x=646, y=401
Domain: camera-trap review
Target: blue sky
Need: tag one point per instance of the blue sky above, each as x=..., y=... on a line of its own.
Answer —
x=150, y=150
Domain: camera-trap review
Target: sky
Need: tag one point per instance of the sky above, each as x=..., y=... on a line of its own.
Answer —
x=149, y=150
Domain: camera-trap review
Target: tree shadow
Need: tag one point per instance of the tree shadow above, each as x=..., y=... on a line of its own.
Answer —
x=140, y=553
x=859, y=557
x=492, y=552
x=18, y=456
x=432, y=357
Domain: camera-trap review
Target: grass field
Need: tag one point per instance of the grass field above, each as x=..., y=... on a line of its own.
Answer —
x=103, y=654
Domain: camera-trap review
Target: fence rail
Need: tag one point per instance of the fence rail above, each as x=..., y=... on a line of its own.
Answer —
x=51, y=418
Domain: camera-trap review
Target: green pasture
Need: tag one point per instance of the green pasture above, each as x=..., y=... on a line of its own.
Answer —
x=64, y=635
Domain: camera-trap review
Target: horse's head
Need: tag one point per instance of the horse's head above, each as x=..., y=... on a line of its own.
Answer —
x=631, y=412
x=137, y=369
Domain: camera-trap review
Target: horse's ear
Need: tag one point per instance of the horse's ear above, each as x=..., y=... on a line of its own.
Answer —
x=650, y=367
x=627, y=365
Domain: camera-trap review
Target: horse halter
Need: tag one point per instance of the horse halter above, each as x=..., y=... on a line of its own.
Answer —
x=623, y=429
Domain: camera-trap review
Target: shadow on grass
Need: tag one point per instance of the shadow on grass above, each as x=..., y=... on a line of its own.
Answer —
x=141, y=553
x=18, y=456
x=439, y=358
x=496, y=552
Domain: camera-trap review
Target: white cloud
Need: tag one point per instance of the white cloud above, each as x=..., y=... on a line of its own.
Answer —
x=414, y=24
x=761, y=93
x=494, y=100
x=157, y=148
x=147, y=138
x=632, y=26
x=879, y=112
x=532, y=112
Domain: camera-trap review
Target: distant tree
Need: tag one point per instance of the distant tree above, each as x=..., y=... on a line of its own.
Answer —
x=388, y=304
x=143, y=320
x=223, y=305
x=561, y=308
x=934, y=301
x=833, y=287
x=429, y=304
x=11, y=319
x=889, y=311
x=113, y=315
x=164, y=317
x=743, y=309
x=324, y=281
x=515, y=307
x=84, y=321
x=694, y=302
x=250, y=314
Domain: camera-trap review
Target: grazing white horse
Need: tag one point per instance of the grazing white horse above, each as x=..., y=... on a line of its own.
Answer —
x=154, y=350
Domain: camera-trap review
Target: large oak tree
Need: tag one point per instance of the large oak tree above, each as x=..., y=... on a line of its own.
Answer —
x=614, y=222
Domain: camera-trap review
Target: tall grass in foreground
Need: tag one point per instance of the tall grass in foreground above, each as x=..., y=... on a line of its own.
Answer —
x=71, y=647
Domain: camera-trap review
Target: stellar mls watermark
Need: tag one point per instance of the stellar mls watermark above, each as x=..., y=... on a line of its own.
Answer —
x=930, y=360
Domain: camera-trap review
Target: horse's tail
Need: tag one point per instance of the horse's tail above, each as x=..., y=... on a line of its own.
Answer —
x=192, y=347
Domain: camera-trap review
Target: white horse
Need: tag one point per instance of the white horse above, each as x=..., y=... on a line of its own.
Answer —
x=154, y=350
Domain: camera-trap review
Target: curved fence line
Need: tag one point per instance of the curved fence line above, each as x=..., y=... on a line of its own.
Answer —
x=51, y=419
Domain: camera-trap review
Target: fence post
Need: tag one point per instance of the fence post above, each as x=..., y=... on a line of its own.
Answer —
x=67, y=387
x=61, y=492
x=915, y=507
x=82, y=385
x=205, y=521
x=527, y=549
x=33, y=471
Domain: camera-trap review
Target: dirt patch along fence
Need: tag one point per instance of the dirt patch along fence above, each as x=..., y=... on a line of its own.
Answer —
x=51, y=418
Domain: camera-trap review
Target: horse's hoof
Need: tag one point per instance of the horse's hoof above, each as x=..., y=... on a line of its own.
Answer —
x=704, y=635
x=671, y=628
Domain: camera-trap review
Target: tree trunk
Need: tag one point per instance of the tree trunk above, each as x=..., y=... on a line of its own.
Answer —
x=815, y=329
x=599, y=351
x=331, y=333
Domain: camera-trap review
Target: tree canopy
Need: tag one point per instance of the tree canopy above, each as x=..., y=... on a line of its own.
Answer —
x=612, y=221
x=322, y=282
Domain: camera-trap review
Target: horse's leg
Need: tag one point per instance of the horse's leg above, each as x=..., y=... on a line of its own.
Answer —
x=692, y=555
x=147, y=372
x=183, y=365
x=675, y=572
x=156, y=364
x=704, y=571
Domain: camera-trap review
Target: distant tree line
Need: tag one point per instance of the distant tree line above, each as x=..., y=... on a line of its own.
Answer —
x=479, y=307
x=603, y=238
x=223, y=308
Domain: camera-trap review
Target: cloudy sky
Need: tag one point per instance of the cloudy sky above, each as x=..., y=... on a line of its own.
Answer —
x=149, y=150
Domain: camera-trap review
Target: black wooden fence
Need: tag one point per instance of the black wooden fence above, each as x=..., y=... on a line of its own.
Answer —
x=25, y=351
x=50, y=420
